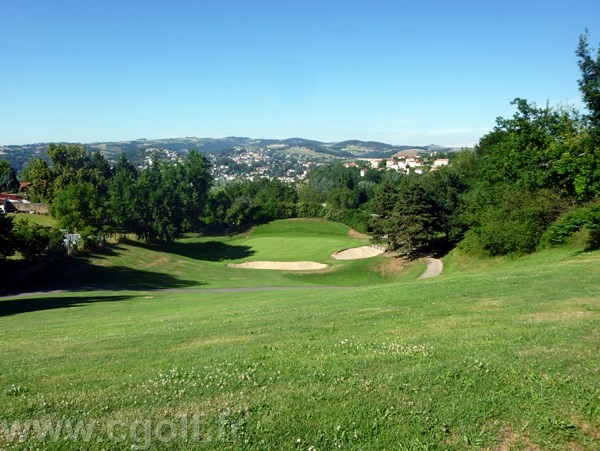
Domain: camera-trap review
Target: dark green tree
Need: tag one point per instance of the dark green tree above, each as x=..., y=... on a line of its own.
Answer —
x=7, y=240
x=123, y=194
x=343, y=198
x=446, y=187
x=405, y=216
x=274, y=200
x=160, y=202
x=589, y=83
x=197, y=180
x=8, y=177
x=38, y=173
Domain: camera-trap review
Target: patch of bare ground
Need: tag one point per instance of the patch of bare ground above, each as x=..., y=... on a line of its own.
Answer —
x=391, y=266
x=559, y=316
x=354, y=234
x=489, y=303
x=160, y=261
x=585, y=427
x=509, y=440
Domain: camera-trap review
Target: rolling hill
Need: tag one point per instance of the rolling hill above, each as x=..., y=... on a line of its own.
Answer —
x=18, y=155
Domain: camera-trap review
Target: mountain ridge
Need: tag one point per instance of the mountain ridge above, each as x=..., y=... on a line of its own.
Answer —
x=134, y=149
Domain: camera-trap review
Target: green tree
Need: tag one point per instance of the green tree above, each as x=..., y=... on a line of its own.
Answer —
x=79, y=197
x=413, y=218
x=7, y=240
x=8, y=177
x=589, y=83
x=198, y=180
x=69, y=164
x=342, y=198
x=78, y=207
x=446, y=187
x=274, y=200
x=540, y=148
x=123, y=196
x=405, y=216
x=160, y=202
x=38, y=173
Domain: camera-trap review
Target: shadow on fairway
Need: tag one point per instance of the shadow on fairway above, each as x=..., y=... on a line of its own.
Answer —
x=78, y=274
x=212, y=251
x=24, y=305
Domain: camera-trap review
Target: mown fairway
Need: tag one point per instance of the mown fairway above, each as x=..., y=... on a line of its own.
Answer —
x=202, y=262
x=506, y=356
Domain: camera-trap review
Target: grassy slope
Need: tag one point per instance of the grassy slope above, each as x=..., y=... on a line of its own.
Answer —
x=505, y=356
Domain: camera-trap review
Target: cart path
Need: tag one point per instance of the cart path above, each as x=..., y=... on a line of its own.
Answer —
x=434, y=268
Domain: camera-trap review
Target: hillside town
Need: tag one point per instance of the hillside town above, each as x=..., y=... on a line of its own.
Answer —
x=292, y=164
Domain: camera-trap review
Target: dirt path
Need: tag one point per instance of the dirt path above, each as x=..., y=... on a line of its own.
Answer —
x=434, y=268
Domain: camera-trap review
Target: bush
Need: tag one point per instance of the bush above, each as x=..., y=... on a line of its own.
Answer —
x=356, y=219
x=584, y=218
x=310, y=210
x=513, y=223
x=33, y=240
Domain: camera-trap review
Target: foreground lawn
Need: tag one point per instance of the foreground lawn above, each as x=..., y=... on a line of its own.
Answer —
x=505, y=357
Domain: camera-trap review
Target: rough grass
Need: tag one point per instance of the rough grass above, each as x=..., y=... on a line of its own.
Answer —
x=501, y=358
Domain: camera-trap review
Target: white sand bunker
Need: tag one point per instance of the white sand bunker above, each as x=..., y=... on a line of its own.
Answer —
x=356, y=253
x=283, y=266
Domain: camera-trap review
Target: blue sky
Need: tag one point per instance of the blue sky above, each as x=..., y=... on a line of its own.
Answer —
x=395, y=71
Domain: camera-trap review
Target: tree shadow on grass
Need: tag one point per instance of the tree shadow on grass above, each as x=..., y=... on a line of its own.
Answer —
x=212, y=251
x=79, y=274
x=26, y=304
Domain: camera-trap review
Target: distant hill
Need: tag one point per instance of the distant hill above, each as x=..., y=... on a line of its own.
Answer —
x=18, y=155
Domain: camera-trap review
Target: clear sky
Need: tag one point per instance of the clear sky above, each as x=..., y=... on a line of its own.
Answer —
x=402, y=72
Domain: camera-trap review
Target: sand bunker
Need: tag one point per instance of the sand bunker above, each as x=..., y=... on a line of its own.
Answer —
x=283, y=266
x=356, y=253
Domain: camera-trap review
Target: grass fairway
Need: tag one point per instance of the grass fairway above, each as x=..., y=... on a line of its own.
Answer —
x=504, y=357
x=194, y=263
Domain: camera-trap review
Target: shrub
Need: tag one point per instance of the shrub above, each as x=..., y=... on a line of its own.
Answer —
x=584, y=218
x=513, y=222
x=33, y=240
